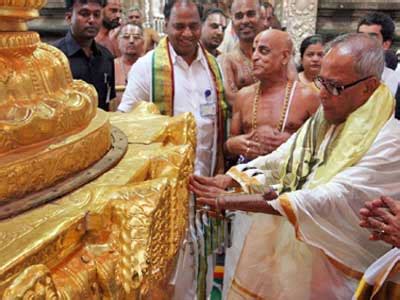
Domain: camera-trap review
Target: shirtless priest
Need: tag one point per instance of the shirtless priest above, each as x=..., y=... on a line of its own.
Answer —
x=269, y=111
x=265, y=114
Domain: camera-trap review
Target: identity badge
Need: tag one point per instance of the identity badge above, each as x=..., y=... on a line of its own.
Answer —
x=208, y=110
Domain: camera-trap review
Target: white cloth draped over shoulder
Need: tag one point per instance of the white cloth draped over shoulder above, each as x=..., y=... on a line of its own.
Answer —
x=317, y=249
x=382, y=278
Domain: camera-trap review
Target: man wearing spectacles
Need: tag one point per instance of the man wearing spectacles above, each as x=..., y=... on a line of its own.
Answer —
x=151, y=37
x=306, y=243
x=335, y=89
x=131, y=45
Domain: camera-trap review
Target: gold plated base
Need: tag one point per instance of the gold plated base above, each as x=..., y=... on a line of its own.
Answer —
x=116, y=237
x=42, y=167
x=110, y=159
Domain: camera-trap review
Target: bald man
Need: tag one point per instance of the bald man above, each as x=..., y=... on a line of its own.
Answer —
x=286, y=104
x=237, y=65
x=265, y=115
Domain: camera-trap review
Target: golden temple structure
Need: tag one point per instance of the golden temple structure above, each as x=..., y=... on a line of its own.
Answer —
x=115, y=237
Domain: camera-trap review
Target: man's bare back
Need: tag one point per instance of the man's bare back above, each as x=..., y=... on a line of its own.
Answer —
x=254, y=134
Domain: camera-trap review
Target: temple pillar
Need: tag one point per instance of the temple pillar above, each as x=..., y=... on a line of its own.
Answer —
x=157, y=19
x=299, y=17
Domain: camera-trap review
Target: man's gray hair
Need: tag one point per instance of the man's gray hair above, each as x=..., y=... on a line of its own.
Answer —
x=369, y=57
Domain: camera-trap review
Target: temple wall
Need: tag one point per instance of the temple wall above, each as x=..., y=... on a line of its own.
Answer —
x=329, y=17
x=301, y=17
x=336, y=17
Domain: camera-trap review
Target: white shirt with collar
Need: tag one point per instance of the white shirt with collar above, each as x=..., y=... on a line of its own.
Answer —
x=391, y=79
x=191, y=84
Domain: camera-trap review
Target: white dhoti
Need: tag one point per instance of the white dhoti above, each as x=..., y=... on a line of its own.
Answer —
x=240, y=226
x=316, y=249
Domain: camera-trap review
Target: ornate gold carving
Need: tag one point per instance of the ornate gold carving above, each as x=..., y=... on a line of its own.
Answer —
x=23, y=3
x=77, y=279
x=36, y=170
x=45, y=105
x=9, y=41
x=34, y=283
x=117, y=237
x=14, y=13
x=42, y=110
x=144, y=217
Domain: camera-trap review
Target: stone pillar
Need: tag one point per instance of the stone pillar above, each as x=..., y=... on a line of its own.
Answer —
x=157, y=8
x=299, y=17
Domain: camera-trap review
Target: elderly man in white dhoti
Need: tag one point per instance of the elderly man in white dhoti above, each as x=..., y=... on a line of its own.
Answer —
x=305, y=242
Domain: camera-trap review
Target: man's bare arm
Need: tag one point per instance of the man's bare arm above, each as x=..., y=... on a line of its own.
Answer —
x=251, y=203
x=229, y=71
x=310, y=99
x=155, y=37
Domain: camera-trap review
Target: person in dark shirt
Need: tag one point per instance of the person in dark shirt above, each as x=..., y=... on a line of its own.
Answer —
x=88, y=60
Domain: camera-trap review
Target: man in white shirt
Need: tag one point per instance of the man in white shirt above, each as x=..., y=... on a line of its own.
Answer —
x=179, y=76
x=382, y=27
x=194, y=87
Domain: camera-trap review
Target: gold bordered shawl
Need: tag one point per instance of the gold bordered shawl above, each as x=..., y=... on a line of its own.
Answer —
x=354, y=139
x=344, y=150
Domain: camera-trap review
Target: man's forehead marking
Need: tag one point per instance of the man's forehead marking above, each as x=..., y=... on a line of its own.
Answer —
x=217, y=18
x=131, y=30
x=87, y=6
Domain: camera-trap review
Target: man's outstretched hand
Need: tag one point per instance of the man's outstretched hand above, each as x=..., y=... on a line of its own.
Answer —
x=207, y=189
x=210, y=187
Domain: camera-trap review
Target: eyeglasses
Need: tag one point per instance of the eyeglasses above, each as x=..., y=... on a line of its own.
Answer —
x=334, y=89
